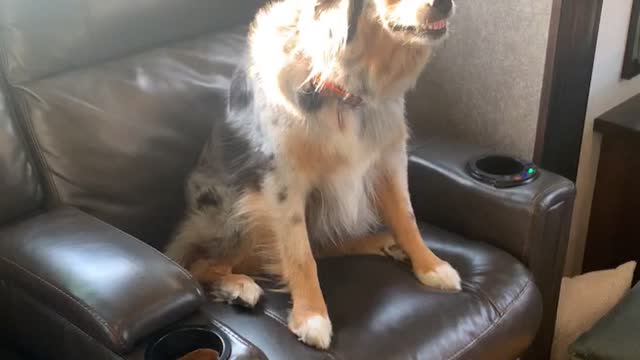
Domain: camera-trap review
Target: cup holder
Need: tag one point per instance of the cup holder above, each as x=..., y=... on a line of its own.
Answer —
x=182, y=341
x=502, y=171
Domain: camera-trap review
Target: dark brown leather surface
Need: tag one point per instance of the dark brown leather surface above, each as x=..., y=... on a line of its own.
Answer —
x=100, y=280
x=380, y=311
x=241, y=348
x=9, y=353
x=62, y=340
x=531, y=222
x=120, y=138
x=47, y=37
x=446, y=195
x=19, y=184
x=43, y=333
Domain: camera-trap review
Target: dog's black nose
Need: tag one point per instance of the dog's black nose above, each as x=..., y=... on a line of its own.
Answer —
x=444, y=6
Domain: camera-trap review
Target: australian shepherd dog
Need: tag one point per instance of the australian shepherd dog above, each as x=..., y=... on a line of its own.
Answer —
x=311, y=158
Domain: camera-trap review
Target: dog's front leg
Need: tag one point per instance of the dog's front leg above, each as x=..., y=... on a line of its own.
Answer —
x=394, y=207
x=309, y=319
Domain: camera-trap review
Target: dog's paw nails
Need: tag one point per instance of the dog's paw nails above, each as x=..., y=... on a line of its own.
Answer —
x=314, y=331
x=243, y=292
x=442, y=277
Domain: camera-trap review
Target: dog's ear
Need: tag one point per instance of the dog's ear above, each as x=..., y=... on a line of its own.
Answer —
x=355, y=11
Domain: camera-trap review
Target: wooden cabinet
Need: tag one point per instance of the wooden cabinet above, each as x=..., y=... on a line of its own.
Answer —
x=614, y=226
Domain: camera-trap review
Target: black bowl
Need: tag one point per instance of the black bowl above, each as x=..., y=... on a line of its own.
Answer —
x=181, y=341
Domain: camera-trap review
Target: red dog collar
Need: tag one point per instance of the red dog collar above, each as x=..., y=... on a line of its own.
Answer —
x=330, y=89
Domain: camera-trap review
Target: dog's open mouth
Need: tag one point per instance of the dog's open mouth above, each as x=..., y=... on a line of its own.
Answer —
x=434, y=29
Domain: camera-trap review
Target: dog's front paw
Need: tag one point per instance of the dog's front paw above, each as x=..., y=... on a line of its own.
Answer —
x=314, y=331
x=442, y=277
x=237, y=289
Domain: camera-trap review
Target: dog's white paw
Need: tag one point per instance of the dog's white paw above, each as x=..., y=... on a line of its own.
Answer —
x=442, y=277
x=242, y=291
x=314, y=331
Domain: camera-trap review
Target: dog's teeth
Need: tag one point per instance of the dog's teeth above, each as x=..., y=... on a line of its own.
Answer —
x=437, y=25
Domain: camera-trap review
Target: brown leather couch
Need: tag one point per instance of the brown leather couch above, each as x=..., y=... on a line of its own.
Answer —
x=104, y=107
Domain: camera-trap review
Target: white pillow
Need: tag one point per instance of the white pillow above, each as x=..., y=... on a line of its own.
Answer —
x=585, y=299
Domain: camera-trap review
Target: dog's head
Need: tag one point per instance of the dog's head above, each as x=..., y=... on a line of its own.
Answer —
x=415, y=20
x=412, y=21
x=390, y=38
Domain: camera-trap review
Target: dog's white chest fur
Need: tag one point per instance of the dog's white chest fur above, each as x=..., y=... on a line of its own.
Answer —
x=342, y=204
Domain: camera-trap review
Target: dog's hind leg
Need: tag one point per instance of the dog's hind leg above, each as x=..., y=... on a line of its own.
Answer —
x=381, y=244
x=210, y=251
x=224, y=285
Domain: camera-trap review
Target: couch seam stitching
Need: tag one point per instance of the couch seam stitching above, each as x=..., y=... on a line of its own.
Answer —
x=35, y=142
x=32, y=148
x=537, y=209
x=228, y=332
x=275, y=317
x=492, y=326
x=489, y=300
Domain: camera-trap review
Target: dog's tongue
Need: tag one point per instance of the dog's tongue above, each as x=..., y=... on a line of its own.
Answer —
x=438, y=25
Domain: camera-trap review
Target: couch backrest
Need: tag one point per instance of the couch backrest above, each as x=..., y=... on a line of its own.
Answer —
x=120, y=97
x=47, y=37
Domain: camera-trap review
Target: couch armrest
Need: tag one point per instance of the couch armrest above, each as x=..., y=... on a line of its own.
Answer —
x=531, y=222
x=98, y=280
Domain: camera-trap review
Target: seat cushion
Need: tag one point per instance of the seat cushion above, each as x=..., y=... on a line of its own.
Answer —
x=380, y=311
x=40, y=38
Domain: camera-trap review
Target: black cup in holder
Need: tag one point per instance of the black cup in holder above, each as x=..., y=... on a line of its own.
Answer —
x=181, y=341
x=502, y=171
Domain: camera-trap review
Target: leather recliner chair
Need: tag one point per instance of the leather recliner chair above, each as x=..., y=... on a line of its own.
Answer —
x=104, y=107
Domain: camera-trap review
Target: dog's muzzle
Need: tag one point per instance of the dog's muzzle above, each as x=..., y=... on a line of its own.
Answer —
x=436, y=23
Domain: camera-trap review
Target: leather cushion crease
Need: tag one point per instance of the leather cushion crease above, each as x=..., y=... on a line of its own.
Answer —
x=19, y=181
